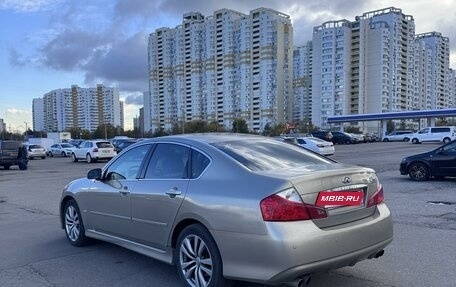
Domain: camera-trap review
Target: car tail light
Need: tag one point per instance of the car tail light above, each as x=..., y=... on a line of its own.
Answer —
x=288, y=206
x=320, y=145
x=95, y=150
x=376, y=198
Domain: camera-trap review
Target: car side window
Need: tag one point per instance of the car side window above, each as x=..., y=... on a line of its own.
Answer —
x=199, y=163
x=424, y=131
x=169, y=161
x=127, y=165
x=451, y=148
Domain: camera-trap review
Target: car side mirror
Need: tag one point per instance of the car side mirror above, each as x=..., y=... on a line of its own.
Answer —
x=94, y=174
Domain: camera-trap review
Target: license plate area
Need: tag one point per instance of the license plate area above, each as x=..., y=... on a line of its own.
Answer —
x=345, y=196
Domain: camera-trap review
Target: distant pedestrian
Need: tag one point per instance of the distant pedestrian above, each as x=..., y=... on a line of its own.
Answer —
x=22, y=157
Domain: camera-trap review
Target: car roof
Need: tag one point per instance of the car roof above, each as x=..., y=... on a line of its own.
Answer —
x=209, y=138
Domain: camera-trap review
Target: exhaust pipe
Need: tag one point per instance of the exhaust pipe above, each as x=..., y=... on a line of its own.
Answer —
x=303, y=281
x=379, y=254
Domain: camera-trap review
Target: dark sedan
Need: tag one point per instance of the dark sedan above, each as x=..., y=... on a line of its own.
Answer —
x=343, y=138
x=437, y=163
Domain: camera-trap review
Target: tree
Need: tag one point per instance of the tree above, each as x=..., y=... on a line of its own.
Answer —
x=390, y=126
x=104, y=131
x=240, y=126
x=278, y=130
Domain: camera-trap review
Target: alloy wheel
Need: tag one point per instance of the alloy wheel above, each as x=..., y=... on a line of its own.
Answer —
x=419, y=172
x=72, y=226
x=195, y=261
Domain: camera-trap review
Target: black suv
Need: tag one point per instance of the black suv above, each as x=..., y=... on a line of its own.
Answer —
x=343, y=138
x=8, y=153
x=324, y=135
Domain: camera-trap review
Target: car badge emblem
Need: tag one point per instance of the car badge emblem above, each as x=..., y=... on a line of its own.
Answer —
x=346, y=180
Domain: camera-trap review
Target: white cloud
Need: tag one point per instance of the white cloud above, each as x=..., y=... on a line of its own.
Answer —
x=26, y=5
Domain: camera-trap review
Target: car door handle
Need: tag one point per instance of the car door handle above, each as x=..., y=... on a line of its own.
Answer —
x=173, y=192
x=124, y=191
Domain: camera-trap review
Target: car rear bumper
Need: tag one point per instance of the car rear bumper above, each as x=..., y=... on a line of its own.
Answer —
x=294, y=249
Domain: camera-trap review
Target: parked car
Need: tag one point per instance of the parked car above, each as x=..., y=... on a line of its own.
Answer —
x=401, y=136
x=230, y=206
x=343, y=138
x=370, y=137
x=324, y=135
x=359, y=137
x=75, y=142
x=61, y=149
x=437, y=163
x=121, y=145
x=317, y=145
x=434, y=134
x=93, y=150
x=35, y=150
x=9, y=153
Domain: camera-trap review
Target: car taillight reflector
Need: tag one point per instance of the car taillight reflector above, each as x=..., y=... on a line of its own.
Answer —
x=95, y=150
x=278, y=207
x=376, y=198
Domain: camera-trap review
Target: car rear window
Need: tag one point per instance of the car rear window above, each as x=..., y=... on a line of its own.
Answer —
x=35, y=146
x=268, y=155
x=104, y=145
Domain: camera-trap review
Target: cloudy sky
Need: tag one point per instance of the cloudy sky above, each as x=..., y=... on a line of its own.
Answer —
x=52, y=44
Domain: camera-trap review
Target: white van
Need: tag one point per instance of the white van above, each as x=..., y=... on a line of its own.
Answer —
x=434, y=134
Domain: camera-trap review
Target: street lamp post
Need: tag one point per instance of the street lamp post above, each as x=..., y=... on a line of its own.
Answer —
x=26, y=131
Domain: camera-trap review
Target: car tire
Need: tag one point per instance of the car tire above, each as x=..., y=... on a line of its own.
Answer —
x=415, y=141
x=74, y=158
x=43, y=157
x=418, y=171
x=73, y=225
x=385, y=140
x=51, y=154
x=89, y=158
x=405, y=139
x=197, y=257
x=64, y=154
x=446, y=140
x=7, y=166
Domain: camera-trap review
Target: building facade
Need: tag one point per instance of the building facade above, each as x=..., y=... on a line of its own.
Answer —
x=2, y=126
x=377, y=64
x=81, y=108
x=38, y=114
x=302, y=83
x=222, y=67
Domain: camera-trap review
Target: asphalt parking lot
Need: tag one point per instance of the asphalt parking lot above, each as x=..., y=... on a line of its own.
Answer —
x=35, y=252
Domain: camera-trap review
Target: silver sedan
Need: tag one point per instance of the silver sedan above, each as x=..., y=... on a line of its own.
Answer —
x=225, y=207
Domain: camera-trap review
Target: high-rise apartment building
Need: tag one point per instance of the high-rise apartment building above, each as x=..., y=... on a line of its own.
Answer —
x=226, y=66
x=38, y=114
x=377, y=64
x=364, y=66
x=331, y=71
x=84, y=108
x=432, y=64
x=2, y=126
x=302, y=83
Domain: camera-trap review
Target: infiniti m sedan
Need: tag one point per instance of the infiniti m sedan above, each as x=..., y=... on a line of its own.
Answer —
x=224, y=207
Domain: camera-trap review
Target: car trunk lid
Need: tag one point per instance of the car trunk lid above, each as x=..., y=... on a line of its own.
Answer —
x=310, y=181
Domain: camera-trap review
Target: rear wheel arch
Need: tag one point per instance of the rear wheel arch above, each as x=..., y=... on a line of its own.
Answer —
x=180, y=226
x=446, y=140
